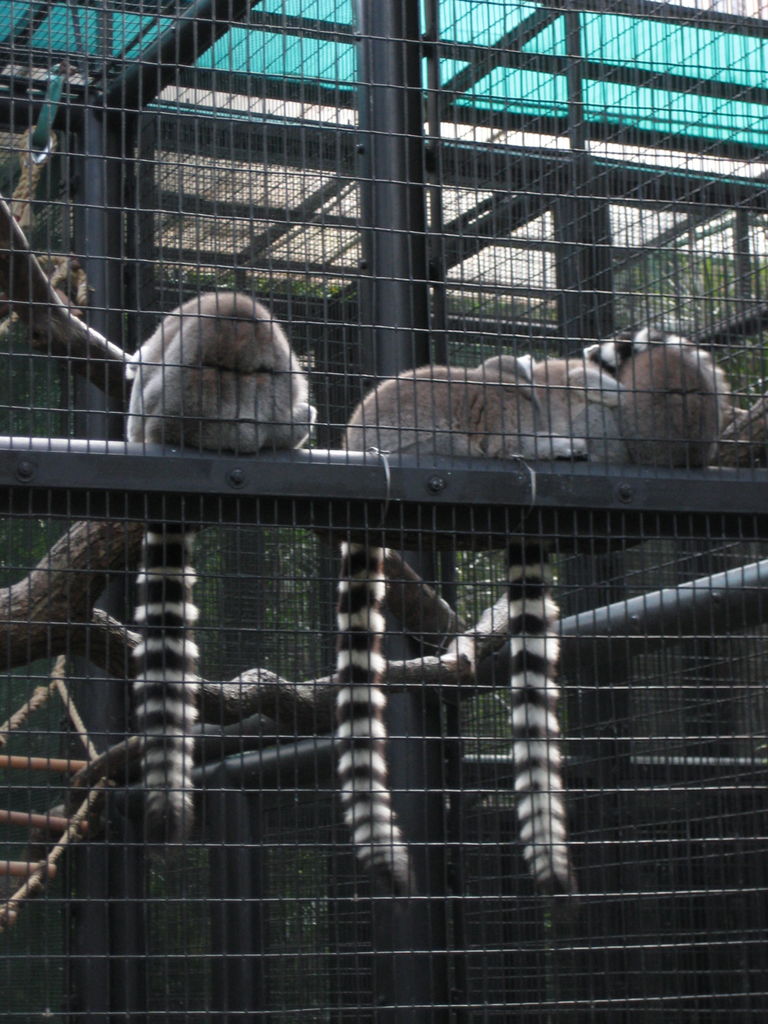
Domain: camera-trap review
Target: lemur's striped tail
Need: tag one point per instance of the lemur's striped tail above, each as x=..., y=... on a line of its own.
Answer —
x=360, y=729
x=166, y=684
x=534, y=653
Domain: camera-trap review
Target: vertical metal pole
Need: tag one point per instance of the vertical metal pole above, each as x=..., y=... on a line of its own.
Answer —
x=411, y=970
x=409, y=936
x=585, y=311
x=108, y=923
x=436, y=247
x=394, y=284
x=235, y=877
x=582, y=223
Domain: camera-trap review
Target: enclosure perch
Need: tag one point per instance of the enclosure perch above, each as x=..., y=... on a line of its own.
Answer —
x=25, y=869
x=46, y=868
x=28, y=819
x=21, y=762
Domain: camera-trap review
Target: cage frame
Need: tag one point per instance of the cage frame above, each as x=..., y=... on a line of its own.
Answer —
x=113, y=480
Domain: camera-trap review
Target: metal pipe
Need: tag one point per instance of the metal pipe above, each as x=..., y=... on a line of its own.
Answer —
x=720, y=605
x=190, y=35
x=394, y=305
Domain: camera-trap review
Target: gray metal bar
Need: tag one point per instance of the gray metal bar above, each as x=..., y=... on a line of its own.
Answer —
x=718, y=605
x=489, y=57
x=90, y=472
x=303, y=763
x=191, y=34
x=113, y=871
x=236, y=879
x=603, y=640
x=394, y=309
x=394, y=306
x=675, y=14
x=598, y=71
x=515, y=169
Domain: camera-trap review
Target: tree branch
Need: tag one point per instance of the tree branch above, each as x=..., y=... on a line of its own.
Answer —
x=54, y=331
x=49, y=611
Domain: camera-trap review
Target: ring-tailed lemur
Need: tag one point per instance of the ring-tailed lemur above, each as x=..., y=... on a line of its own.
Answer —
x=588, y=405
x=490, y=411
x=672, y=398
x=649, y=397
x=218, y=374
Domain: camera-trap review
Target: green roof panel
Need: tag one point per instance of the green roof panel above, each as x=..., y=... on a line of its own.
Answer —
x=520, y=92
x=319, y=61
x=670, y=77
x=673, y=49
x=482, y=24
x=684, y=114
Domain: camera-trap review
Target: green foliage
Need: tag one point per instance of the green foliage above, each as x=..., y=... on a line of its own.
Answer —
x=31, y=387
x=261, y=595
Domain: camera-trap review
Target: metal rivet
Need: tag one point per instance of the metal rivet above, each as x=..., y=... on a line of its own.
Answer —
x=435, y=484
x=25, y=470
x=236, y=477
x=625, y=492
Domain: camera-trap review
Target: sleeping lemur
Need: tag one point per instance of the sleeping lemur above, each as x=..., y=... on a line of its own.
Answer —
x=218, y=374
x=653, y=399
x=673, y=398
x=649, y=398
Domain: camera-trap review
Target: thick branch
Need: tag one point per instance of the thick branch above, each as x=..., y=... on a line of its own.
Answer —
x=304, y=706
x=421, y=611
x=53, y=329
x=49, y=611
x=307, y=706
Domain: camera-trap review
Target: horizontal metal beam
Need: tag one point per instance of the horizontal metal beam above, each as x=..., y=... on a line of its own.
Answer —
x=447, y=503
x=309, y=764
x=602, y=641
x=286, y=766
x=473, y=165
x=672, y=13
x=597, y=646
x=189, y=35
x=638, y=77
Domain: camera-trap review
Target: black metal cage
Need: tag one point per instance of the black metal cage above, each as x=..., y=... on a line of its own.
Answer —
x=402, y=184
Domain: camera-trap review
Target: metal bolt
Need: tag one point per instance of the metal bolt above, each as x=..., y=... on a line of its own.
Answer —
x=625, y=492
x=236, y=477
x=435, y=484
x=25, y=470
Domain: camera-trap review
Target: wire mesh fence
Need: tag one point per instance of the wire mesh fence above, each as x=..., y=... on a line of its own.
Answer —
x=489, y=187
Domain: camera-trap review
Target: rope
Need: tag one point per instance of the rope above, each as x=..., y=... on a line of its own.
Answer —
x=65, y=270
x=57, y=677
x=32, y=163
x=69, y=277
x=38, y=698
x=9, y=910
